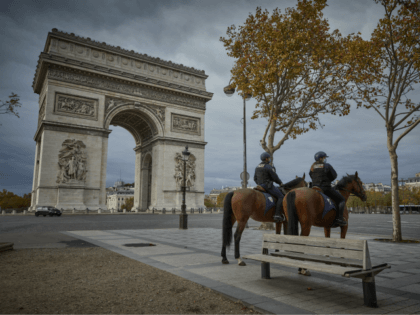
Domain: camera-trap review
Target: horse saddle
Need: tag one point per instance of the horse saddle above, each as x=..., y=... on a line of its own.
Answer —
x=259, y=188
x=328, y=203
x=270, y=201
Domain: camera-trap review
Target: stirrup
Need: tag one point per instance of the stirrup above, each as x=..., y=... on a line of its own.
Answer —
x=280, y=218
x=340, y=222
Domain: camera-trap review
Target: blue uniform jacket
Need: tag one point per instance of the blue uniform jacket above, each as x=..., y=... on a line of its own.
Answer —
x=265, y=174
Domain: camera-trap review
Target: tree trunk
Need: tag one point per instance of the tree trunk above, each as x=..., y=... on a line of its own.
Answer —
x=396, y=219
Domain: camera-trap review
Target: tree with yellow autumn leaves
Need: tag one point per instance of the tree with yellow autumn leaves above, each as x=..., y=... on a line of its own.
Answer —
x=293, y=66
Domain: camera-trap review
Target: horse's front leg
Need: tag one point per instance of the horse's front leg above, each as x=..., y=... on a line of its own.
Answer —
x=238, y=234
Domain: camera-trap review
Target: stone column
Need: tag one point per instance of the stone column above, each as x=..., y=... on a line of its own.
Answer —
x=102, y=193
x=137, y=180
x=35, y=178
x=158, y=177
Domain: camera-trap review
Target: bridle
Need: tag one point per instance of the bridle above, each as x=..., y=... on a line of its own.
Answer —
x=352, y=192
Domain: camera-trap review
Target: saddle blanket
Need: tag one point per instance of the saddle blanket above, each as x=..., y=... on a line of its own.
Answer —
x=328, y=204
x=270, y=202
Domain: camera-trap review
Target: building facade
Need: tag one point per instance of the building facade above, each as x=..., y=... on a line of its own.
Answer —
x=377, y=187
x=117, y=195
x=216, y=192
x=412, y=182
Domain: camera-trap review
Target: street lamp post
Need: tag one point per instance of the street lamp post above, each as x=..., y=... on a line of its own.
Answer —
x=183, y=217
x=229, y=91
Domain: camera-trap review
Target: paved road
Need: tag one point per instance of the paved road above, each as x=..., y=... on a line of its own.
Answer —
x=31, y=231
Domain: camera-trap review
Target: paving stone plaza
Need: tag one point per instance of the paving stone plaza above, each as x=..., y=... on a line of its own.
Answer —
x=194, y=254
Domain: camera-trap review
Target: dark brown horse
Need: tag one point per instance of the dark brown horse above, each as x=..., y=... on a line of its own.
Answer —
x=306, y=205
x=242, y=204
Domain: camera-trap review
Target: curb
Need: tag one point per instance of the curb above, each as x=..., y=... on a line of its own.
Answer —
x=6, y=246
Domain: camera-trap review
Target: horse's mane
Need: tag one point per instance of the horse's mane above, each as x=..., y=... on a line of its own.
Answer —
x=344, y=181
x=293, y=183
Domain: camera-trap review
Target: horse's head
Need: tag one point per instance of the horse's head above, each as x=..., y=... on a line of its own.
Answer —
x=298, y=182
x=355, y=186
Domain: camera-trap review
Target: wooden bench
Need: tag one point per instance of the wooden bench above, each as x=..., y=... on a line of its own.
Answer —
x=348, y=258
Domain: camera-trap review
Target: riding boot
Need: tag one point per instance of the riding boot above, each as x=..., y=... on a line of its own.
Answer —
x=340, y=220
x=279, y=216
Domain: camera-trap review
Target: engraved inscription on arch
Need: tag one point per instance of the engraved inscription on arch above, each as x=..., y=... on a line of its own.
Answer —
x=185, y=124
x=76, y=106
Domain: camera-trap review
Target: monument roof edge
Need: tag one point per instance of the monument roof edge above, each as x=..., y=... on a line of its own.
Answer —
x=117, y=49
x=49, y=59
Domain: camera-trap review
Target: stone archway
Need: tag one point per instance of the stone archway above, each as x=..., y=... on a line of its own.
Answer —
x=84, y=87
x=144, y=125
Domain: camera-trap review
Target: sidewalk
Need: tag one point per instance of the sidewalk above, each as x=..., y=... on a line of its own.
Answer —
x=194, y=254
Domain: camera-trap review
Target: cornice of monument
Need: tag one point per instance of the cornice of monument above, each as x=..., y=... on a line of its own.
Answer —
x=171, y=141
x=121, y=51
x=66, y=127
x=110, y=73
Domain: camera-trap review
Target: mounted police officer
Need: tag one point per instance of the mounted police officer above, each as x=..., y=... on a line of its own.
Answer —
x=322, y=175
x=265, y=175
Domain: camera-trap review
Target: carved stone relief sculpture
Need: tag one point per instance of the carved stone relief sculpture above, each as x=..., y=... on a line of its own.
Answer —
x=75, y=106
x=125, y=88
x=158, y=111
x=72, y=162
x=111, y=103
x=185, y=124
x=189, y=170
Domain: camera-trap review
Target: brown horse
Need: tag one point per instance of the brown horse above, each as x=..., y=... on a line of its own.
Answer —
x=306, y=205
x=242, y=204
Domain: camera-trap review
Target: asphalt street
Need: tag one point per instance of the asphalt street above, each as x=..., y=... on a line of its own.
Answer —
x=36, y=232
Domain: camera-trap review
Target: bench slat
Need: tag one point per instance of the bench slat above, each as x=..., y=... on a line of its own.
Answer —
x=352, y=254
x=315, y=241
x=300, y=264
x=335, y=261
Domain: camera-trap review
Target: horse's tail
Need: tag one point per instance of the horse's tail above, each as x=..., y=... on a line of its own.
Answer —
x=227, y=220
x=292, y=224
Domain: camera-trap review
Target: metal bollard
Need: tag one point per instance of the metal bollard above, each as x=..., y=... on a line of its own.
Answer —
x=173, y=210
x=163, y=210
x=13, y=211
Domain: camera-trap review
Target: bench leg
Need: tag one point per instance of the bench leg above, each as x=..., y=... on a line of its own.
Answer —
x=369, y=292
x=265, y=270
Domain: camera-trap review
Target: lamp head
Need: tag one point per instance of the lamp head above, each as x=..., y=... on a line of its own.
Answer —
x=185, y=153
x=229, y=90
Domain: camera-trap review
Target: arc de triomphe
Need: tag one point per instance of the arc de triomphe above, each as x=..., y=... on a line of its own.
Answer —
x=84, y=87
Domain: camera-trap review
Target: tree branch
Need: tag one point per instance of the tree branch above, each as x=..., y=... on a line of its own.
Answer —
x=405, y=133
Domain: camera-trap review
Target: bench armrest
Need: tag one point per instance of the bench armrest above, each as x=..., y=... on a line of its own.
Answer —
x=366, y=273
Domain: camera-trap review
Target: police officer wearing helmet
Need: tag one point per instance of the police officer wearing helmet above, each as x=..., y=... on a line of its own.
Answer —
x=265, y=175
x=322, y=175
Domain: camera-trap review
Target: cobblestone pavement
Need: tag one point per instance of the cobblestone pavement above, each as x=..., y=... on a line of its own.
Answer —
x=195, y=255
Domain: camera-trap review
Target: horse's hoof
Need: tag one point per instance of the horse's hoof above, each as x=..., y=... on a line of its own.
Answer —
x=241, y=263
x=225, y=261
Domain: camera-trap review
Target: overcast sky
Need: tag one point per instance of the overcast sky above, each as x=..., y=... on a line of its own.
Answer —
x=187, y=32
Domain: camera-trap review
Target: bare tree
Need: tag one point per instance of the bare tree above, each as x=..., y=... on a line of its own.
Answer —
x=10, y=106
